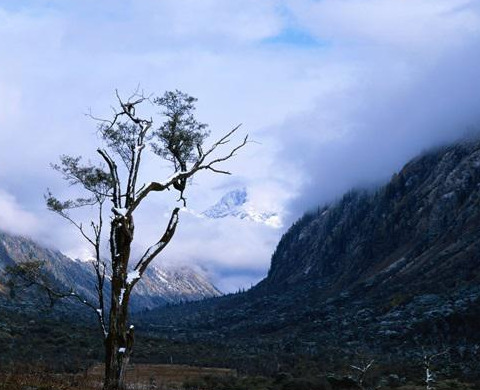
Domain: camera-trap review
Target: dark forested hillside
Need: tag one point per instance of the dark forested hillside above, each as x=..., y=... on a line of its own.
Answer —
x=387, y=271
x=422, y=230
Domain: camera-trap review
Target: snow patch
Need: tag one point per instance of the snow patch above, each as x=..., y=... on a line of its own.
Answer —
x=132, y=276
x=119, y=211
x=236, y=204
x=122, y=293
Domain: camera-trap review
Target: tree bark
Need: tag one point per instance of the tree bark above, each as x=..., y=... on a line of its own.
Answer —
x=117, y=358
x=120, y=338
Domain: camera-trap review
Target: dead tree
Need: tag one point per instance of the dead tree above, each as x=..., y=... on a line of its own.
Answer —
x=112, y=187
x=362, y=372
x=427, y=365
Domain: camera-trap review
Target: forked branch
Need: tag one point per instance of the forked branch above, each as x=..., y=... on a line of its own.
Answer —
x=201, y=163
x=155, y=249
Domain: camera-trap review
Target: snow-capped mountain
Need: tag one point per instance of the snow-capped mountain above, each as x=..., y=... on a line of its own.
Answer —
x=236, y=204
x=172, y=285
x=157, y=287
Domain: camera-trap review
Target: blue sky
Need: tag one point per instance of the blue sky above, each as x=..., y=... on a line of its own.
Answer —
x=336, y=94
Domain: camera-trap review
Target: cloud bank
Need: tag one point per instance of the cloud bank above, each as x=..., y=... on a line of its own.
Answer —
x=335, y=94
x=15, y=219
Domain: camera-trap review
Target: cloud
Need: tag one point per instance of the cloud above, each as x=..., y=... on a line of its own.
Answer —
x=212, y=21
x=223, y=248
x=15, y=219
x=407, y=83
x=334, y=94
x=412, y=25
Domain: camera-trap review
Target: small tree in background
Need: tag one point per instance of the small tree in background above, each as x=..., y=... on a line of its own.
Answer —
x=113, y=188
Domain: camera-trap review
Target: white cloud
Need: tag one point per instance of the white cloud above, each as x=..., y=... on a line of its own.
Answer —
x=411, y=25
x=409, y=85
x=221, y=247
x=386, y=79
x=213, y=20
x=14, y=218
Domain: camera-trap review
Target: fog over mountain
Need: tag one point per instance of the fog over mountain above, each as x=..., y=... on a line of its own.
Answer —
x=334, y=94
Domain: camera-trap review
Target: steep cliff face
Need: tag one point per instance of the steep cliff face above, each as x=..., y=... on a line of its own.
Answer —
x=421, y=231
x=157, y=287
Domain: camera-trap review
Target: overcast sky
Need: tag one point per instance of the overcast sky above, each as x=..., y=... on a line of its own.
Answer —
x=335, y=94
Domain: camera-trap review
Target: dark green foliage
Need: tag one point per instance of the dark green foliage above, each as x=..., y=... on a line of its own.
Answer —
x=93, y=178
x=62, y=340
x=179, y=139
x=306, y=384
x=121, y=138
x=28, y=271
x=58, y=206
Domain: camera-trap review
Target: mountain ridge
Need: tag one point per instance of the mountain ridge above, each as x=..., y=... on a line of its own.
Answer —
x=396, y=268
x=386, y=273
x=427, y=210
x=157, y=287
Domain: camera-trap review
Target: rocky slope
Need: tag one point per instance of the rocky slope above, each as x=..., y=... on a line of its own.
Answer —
x=158, y=286
x=388, y=272
x=421, y=230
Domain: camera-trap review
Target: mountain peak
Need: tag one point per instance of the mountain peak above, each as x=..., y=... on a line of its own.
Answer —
x=237, y=204
x=229, y=203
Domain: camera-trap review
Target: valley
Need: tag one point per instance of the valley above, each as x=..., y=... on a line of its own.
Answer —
x=390, y=275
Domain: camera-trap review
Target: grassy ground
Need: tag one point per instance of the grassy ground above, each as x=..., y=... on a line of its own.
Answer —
x=163, y=375
x=182, y=377
x=139, y=377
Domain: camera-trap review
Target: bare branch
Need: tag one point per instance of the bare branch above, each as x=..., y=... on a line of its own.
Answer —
x=136, y=158
x=114, y=174
x=30, y=273
x=362, y=372
x=155, y=249
x=200, y=164
x=219, y=171
x=427, y=364
x=100, y=269
x=54, y=205
x=229, y=155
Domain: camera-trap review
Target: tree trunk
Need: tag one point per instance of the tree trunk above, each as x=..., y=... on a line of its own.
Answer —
x=117, y=358
x=120, y=338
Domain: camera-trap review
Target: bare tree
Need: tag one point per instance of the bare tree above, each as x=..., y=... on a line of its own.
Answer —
x=112, y=186
x=427, y=365
x=362, y=372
